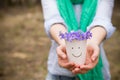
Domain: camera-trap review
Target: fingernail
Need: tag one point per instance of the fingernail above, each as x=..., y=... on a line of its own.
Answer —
x=81, y=67
x=93, y=59
x=63, y=56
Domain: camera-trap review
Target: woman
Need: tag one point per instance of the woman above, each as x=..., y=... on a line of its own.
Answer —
x=59, y=68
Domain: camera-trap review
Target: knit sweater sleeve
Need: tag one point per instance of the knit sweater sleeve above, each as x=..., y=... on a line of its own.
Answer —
x=51, y=14
x=103, y=17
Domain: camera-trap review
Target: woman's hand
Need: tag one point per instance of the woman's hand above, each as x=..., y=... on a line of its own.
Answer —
x=92, y=50
x=61, y=49
x=91, y=59
x=62, y=58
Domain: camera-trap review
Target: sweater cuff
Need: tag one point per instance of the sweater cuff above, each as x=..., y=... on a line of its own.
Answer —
x=48, y=24
x=106, y=24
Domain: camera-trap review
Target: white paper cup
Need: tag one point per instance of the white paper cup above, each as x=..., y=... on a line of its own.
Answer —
x=76, y=51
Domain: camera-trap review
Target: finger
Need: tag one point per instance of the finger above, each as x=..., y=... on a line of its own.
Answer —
x=72, y=68
x=95, y=54
x=76, y=71
x=89, y=66
x=62, y=62
x=89, y=50
x=66, y=64
x=69, y=66
x=89, y=53
x=79, y=71
x=60, y=52
x=84, y=71
x=88, y=58
x=86, y=67
x=75, y=66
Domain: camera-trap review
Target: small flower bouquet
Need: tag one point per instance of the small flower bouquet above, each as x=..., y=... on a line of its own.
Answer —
x=76, y=45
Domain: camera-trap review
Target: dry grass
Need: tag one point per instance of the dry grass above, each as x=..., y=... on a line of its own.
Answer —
x=24, y=45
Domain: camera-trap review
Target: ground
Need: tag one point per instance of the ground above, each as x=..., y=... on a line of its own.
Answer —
x=24, y=45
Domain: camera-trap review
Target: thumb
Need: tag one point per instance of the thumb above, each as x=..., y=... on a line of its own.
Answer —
x=95, y=53
x=61, y=52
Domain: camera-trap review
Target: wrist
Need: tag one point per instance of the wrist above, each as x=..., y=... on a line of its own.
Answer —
x=61, y=42
x=93, y=41
x=55, y=32
x=98, y=35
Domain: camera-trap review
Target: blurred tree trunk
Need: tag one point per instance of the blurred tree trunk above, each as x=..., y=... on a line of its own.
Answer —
x=116, y=15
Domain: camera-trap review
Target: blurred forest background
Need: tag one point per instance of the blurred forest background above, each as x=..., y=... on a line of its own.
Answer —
x=24, y=45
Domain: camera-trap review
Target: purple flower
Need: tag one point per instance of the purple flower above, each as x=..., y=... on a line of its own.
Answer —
x=75, y=35
x=88, y=35
x=62, y=36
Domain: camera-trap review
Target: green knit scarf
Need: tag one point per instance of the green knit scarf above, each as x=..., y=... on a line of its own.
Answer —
x=88, y=12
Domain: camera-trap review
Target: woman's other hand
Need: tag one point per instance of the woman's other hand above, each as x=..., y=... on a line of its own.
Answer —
x=63, y=59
